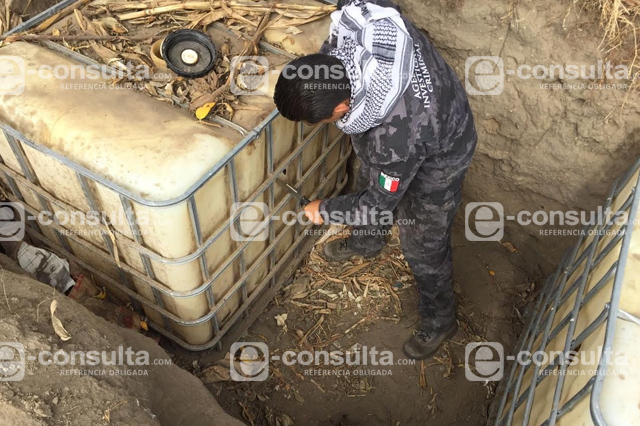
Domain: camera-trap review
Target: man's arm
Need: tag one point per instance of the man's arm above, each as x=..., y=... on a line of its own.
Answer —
x=379, y=197
x=394, y=165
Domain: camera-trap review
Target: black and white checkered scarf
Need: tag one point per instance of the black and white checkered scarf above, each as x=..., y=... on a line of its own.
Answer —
x=376, y=50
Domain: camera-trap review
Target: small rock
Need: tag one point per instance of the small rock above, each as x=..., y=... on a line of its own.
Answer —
x=55, y=401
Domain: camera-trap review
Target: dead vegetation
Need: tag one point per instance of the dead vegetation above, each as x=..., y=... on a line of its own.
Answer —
x=121, y=35
x=328, y=307
x=325, y=307
x=338, y=299
x=619, y=21
x=8, y=19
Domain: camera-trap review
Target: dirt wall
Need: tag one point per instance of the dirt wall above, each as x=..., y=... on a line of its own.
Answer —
x=539, y=149
x=58, y=392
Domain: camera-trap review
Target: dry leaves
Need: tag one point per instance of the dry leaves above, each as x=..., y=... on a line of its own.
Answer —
x=281, y=321
x=246, y=14
x=8, y=19
x=509, y=246
x=113, y=34
x=216, y=373
x=59, y=329
x=343, y=297
x=293, y=30
x=112, y=24
x=620, y=24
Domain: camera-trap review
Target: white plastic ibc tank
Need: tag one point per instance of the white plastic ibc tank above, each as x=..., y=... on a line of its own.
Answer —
x=158, y=154
x=609, y=255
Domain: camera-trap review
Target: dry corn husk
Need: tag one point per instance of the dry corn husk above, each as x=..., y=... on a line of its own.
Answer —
x=109, y=30
x=236, y=10
x=58, y=328
x=8, y=20
x=112, y=24
x=620, y=23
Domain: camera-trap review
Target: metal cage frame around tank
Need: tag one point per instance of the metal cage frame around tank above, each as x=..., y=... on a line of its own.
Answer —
x=552, y=296
x=227, y=163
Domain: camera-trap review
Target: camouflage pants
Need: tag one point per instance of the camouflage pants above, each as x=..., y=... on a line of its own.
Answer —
x=425, y=219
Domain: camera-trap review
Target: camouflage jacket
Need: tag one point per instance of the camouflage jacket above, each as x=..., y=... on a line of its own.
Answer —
x=419, y=128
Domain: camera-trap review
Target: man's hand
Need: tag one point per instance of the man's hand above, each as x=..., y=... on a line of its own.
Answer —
x=312, y=210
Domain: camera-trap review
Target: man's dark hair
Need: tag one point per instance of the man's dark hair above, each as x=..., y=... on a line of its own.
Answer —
x=310, y=87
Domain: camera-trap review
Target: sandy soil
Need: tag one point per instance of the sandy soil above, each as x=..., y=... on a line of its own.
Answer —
x=538, y=148
x=492, y=289
x=153, y=394
x=490, y=283
x=533, y=151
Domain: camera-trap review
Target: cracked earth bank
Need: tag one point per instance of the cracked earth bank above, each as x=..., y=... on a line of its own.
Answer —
x=539, y=148
x=57, y=395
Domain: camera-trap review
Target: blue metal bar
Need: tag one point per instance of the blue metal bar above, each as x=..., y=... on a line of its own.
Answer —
x=539, y=377
x=583, y=279
x=128, y=198
x=127, y=206
x=93, y=205
x=590, y=258
x=507, y=385
x=18, y=152
x=27, y=25
x=13, y=186
x=325, y=144
x=133, y=196
x=204, y=269
x=234, y=196
x=556, y=298
x=272, y=200
x=285, y=260
x=574, y=400
x=183, y=294
x=223, y=228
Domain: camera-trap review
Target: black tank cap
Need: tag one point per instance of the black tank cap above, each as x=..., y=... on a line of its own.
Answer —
x=189, y=53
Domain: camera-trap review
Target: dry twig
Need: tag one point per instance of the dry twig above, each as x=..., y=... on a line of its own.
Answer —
x=250, y=47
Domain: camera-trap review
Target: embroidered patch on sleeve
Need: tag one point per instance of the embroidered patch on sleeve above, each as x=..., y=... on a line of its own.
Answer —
x=389, y=183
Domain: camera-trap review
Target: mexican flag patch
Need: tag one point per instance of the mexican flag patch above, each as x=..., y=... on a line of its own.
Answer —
x=389, y=183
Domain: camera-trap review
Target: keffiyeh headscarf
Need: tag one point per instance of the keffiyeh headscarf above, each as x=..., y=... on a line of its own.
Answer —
x=376, y=50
